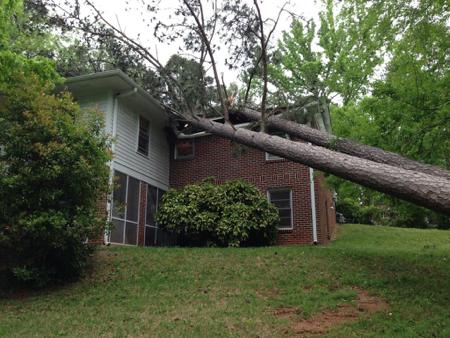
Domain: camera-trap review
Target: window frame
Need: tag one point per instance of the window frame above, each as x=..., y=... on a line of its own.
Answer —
x=177, y=156
x=291, y=214
x=145, y=137
x=269, y=156
x=123, y=219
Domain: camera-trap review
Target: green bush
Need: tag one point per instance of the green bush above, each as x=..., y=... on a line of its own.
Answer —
x=369, y=215
x=349, y=208
x=232, y=214
x=354, y=213
x=53, y=174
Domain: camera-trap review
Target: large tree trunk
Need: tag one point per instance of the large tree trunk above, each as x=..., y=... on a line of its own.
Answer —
x=425, y=190
x=346, y=146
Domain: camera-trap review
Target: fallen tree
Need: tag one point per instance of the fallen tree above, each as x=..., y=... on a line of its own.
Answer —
x=345, y=145
x=241, y=28
x=426, y=190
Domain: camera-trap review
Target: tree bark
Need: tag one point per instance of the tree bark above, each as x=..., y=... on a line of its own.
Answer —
x=347, y=146
x=425, y=190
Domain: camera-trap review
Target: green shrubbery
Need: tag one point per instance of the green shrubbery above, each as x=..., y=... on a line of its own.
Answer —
x=232, y=214
x=354, y=213
x=53, y=173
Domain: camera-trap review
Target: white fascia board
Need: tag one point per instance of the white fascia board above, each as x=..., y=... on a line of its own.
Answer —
x=118, y=82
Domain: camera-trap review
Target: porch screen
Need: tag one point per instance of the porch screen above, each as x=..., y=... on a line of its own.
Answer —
x=125, y=212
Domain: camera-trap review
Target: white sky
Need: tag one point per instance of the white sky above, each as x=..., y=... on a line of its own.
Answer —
x=132, y=23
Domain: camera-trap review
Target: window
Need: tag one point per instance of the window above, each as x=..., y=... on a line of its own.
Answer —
x=144, y=135
x=184, y=149
x=282, y=198
x=280, y=134
x=125, y=210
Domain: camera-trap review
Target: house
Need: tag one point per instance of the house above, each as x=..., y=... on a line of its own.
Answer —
x=150, y=158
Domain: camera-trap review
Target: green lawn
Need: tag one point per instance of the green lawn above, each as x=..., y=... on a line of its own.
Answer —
x=251, y=292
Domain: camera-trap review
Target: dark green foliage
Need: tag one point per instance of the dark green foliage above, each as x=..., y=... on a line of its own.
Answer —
x=195, y=91
x=409, y=110
x=18, y=43
x=349, y=208
x=358, y=214
x=53, y=173
x=232, y=214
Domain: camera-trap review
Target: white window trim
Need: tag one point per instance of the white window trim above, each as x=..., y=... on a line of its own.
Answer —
x=290, y=205
x=138, y=135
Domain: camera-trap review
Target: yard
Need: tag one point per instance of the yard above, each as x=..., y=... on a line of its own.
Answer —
x=370, y=282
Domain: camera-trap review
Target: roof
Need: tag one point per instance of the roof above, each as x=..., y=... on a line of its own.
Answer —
x=119, y=83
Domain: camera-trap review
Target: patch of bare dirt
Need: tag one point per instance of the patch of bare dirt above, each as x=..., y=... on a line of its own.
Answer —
x=366, y=306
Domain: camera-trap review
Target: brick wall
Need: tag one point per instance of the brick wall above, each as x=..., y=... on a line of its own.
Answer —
x=214, y=157
x=142, y=207
x=102, y=212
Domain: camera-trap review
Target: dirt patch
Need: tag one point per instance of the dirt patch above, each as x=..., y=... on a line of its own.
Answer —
x=366, y=306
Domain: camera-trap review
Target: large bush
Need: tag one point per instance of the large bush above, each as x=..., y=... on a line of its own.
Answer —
x=232, y=214
x=53, y=174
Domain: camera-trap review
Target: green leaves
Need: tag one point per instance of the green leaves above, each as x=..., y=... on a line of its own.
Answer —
x=18, y=44
x=336, y=59
x=229, y=215
x=408, y=111
x=53, y=174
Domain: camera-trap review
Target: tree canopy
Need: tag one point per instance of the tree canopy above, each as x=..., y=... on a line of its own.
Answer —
x=408, y=111
x=18, y=44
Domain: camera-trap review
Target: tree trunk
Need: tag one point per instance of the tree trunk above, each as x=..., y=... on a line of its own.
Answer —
x=425, y=190
x=347, y=146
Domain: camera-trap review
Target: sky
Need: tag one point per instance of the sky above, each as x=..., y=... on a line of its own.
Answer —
x=131, y=22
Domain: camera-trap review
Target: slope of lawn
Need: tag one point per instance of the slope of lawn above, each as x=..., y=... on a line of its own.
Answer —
x=251, y=292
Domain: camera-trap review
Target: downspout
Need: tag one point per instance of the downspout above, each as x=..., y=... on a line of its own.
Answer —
x=113, y=147
x=313, y=204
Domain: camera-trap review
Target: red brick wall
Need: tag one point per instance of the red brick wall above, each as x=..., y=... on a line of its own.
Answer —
x=214, y=157
x=102, y=212
x=142, y=207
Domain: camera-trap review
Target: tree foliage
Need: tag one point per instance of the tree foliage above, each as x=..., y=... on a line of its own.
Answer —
x=53, y=175
x=409, y=109
x=232, y=214
x=18, y=44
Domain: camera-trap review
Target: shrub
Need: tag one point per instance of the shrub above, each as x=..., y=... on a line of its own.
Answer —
x=349, y=208
x=369, y=215
x=232, y=214
x=53, y=173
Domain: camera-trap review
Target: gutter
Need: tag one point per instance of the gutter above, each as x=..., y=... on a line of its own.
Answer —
x=313, y=204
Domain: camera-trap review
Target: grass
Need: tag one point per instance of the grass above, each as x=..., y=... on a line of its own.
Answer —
x=203, y=292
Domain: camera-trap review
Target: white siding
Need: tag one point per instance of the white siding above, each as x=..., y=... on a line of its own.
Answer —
x=154, y=168
x=103, y=101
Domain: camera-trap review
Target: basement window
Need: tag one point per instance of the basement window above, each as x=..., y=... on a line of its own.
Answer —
x=184, y=149
x=282, y=198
